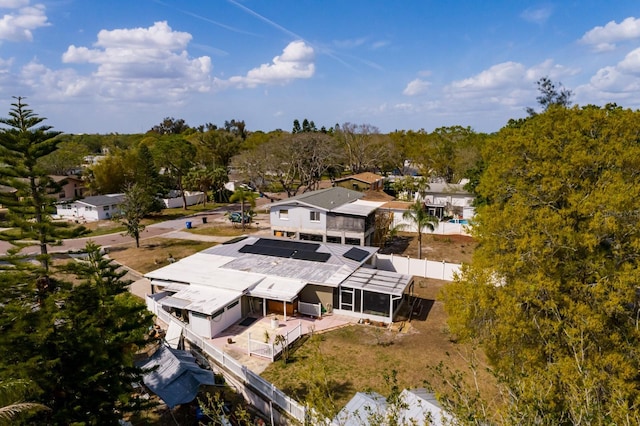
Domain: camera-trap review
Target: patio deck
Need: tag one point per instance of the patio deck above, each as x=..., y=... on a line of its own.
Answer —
x=239, y=335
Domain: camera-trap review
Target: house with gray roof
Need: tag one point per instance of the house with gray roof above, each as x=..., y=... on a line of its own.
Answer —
x=331, y=215
x=98, y=207
x=256, y=276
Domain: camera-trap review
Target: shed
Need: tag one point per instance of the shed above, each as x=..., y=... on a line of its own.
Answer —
x=175, y=377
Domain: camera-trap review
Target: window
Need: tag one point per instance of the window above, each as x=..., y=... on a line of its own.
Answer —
x=283, y=214
x=314, y=216
x=106, y=208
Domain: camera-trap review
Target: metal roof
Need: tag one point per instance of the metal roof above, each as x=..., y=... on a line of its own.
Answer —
x=326, y=199
x=358, y=208
x=421, y=404
x=360, y=408
x=378, y=281
x=174, y=376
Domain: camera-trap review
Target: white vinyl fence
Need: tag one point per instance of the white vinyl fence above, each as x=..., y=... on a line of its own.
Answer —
x=418, y=267
x=272, y=349
x=266, y=389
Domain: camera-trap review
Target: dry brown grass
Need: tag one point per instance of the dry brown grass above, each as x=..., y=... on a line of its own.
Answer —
x=357, y=357
x=155, y=252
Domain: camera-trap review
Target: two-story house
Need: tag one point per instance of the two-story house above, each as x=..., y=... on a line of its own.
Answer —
x=449, y=199
x=71, y=187
x=331, y=215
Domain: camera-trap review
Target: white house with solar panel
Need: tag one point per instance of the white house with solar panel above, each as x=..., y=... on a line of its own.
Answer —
x=250, y=276
x=332, y=215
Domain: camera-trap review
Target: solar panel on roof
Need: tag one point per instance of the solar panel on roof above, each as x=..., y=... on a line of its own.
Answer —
x=266, y=251
x=314, y=256
x=356, y=254
x=293, y=245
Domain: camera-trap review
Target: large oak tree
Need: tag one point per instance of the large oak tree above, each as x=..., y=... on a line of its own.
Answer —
x=552, y=292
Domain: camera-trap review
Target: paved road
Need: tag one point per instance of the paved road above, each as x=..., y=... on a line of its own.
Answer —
x=170, y=228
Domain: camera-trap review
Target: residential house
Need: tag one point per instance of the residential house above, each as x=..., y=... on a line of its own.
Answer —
x=449, y=199
x=418, y=407
x=72, y=187
x=219, y=286
x=331, y=215
x=366, y=181
x=99, y=207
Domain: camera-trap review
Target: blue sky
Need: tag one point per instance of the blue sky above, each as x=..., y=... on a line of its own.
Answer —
x=121, y=66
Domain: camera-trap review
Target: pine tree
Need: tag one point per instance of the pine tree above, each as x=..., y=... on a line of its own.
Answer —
x=22, y=144
x=78, y=350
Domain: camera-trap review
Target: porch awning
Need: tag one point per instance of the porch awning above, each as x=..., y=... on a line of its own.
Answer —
x=277, y=288
x=378, y=281
x=174, y=302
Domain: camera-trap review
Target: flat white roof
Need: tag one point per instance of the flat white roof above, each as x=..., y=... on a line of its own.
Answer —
x=358, y=208
x=278, y=288
x=206, y=300
x=204, y=270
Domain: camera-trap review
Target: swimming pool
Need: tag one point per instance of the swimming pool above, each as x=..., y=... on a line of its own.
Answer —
x=460, y=221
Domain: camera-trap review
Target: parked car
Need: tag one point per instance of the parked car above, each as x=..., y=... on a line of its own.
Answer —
x=236, y=217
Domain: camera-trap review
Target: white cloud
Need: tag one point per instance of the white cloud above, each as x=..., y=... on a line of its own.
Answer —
x=620, y=82
x=143, y=63
x=13, y=4
x=497, y=77
x=509, y=84
x=296, y=62
x=416, y=87
x=604, y=38
x=537, y=15
x=18, y=26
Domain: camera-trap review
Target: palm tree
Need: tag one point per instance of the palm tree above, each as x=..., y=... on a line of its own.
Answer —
x=243, y=196
x=418, y=216
x=11, y=400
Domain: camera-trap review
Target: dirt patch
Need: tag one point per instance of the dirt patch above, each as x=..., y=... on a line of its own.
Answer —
x=450, y=248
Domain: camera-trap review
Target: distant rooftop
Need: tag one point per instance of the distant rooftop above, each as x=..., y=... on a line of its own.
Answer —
x=326, y=199
x=366, y=177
